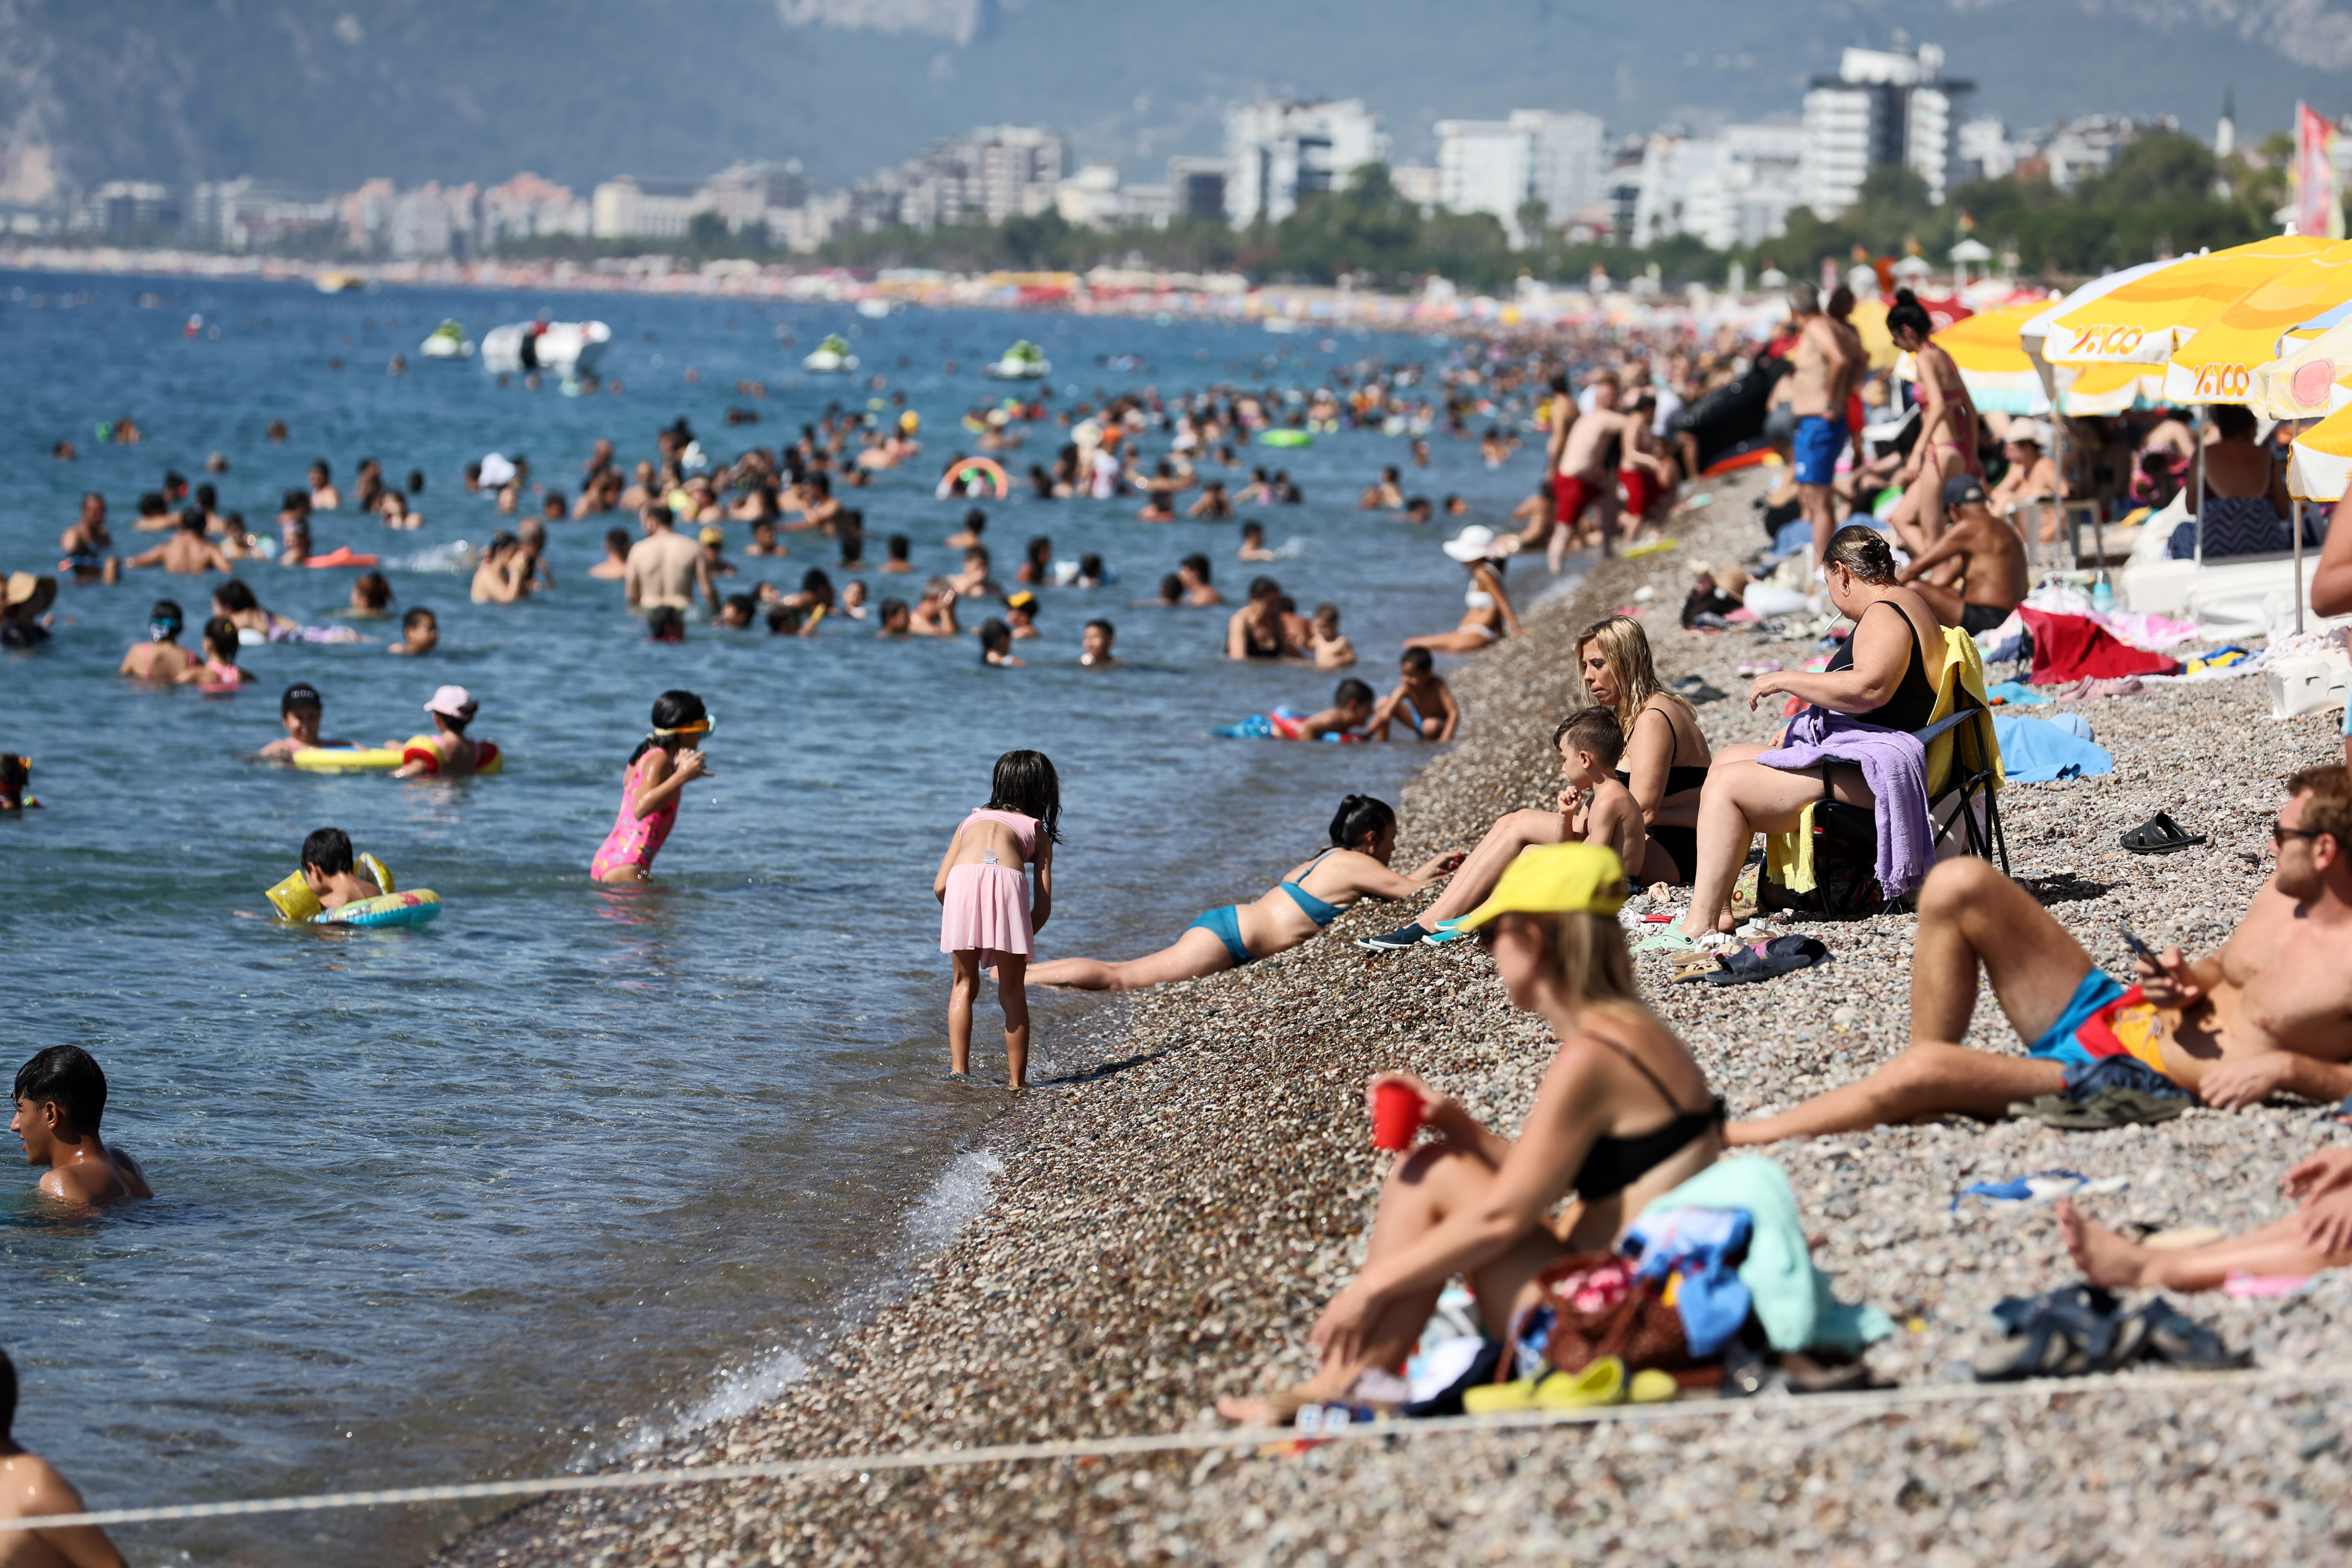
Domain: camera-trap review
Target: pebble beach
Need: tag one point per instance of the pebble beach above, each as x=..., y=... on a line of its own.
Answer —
x=1167, y=1225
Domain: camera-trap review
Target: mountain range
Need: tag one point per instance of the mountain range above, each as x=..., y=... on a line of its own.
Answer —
x=326, y=94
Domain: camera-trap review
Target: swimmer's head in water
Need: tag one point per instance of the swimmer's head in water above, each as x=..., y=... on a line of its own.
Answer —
x=895, y=615
x=1025, y=781
x=328, y=851
x=1197, y=568
x=299, y=695
x=995, y=641
x=1172, y=589
x=220, y=639
x=1022, y=604
x=420, y=630
x=372, y=591
x=70, y=1078
x=453, y=707
x=1362, y=822
x=164, y=620
x=738, y=611
x=975, y=521
x=1097, y=638
x=898, y=546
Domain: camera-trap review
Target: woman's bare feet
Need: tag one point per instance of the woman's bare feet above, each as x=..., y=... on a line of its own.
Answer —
x=1275, y=1410
x=2103, y=1257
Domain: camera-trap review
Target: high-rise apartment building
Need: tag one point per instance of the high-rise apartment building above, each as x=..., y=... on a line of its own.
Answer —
x=1278, y=151
x=1499, y=166
x=1885, y=106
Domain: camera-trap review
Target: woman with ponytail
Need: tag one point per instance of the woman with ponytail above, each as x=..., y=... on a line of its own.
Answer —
x=661, y=767
x=1947, y=445
x=1356, y=865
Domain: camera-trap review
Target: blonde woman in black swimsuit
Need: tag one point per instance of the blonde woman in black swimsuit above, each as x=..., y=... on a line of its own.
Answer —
x=1664, y=765
x=1886, y=674
x=1623, y=1116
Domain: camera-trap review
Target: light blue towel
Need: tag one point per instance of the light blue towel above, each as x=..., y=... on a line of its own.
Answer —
x=2035, y=751
x=2011, y=692
x=1792, y=1298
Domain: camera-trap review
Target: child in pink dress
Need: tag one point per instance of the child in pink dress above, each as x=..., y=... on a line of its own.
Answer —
x=988, y=915
x=664, y=764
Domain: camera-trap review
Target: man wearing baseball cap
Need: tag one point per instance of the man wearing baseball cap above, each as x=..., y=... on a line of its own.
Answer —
x=300, y=711
x=1974, y=576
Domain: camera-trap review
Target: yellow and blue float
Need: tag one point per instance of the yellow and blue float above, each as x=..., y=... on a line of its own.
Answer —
x=487, y=757
x=300, y=906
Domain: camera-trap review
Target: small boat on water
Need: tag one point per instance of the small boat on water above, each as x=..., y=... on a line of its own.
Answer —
x=447, y=340
x=831, y=358
x=1024, y=361
x=875, y=309
x=339, y=282
x=567, y=348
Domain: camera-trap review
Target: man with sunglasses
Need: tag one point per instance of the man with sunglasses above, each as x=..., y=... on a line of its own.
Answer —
x=2269, y=1013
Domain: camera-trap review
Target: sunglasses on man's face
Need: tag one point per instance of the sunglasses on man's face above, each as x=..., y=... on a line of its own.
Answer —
x=2280, y=833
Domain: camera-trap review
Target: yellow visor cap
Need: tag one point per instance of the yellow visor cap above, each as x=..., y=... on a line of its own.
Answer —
x=1553, y=879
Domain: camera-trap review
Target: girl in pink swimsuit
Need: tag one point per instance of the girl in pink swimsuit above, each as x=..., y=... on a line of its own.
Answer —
x=659, y=770
x=988, y=913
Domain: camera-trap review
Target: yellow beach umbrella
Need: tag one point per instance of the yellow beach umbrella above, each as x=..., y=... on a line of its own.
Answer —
x=2096, y=390
x=2309, y=381
x=2218, y=364
x=1993, y=364
x=2321, y=466
x=2146, y=318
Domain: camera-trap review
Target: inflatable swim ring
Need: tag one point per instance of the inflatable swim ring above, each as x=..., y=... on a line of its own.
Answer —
x=1762, y=457
x=987, y=469
x=1285, y=439
x=300, y=906
x=487, y=757
x=345, y=759
x=414, y=907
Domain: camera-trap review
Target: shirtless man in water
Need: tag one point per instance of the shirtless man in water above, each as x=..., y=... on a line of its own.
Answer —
x=1982, y=577
x=1829, y=361
x=665, y=568
x=2270, y=1013
x=60, y=1099
x=187, y=553
x=31, y=1488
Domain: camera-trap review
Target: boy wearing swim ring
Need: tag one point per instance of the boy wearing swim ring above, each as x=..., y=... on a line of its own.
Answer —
x=60, y=1099
x=331, y=871
x=300, y=711
x=661, y=767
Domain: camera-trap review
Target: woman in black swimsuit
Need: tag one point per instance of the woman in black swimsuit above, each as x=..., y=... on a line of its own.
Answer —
x=1623, y=1116
x=1886, y=674
x=1254, y=631
x=1666, y=757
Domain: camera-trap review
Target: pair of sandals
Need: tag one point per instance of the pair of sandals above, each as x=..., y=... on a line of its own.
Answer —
x=1601, y=1383
x=2080, y=1329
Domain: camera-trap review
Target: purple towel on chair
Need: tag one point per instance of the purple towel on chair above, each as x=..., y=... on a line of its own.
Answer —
x=1894, y=765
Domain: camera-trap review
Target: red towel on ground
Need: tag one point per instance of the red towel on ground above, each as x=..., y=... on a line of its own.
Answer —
x=2070, y=647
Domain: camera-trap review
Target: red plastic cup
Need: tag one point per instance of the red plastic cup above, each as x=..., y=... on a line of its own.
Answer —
x=1396, y=1116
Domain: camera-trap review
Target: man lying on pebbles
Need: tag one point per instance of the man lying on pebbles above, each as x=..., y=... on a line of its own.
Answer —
x=2270, y=1013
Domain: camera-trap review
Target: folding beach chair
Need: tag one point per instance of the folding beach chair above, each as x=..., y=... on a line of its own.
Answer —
x=1828, y=866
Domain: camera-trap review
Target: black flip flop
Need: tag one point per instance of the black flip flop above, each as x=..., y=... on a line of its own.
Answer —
x=2177, y=1339
x=2160, y=835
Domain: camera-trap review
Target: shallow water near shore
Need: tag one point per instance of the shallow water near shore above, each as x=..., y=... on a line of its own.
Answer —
x=572, y=1168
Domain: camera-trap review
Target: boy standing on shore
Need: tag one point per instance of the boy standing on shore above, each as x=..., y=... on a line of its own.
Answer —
x=60, y=1100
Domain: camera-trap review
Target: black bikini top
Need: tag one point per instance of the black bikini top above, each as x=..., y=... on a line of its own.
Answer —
x=1616, y=1164
x=1679, y=780
x=1913, y=702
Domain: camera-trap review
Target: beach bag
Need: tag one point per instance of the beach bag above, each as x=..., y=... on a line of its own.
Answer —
x=1845, y=866
x=1599, y=1309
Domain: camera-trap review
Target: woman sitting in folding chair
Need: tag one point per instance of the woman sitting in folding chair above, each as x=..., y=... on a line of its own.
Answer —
x=1885, y=675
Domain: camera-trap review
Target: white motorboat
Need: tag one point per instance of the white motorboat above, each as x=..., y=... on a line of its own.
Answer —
x=1024, y=361
x=831, y=358
x=566, y=348
x=875, y=309
x=447, y=340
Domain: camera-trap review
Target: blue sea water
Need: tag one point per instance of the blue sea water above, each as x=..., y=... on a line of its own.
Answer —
x=574, y=1166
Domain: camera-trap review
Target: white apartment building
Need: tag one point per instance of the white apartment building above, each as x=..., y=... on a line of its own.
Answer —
x=1729, y=191
x=632, y=208
x=1094, y=199
x=1983, y=150
x=1498, y=166
x=527, y=206
x=246, y=214
x=993, y=173
x=755, y=195
x=1885, y=106
x=1278, y=151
